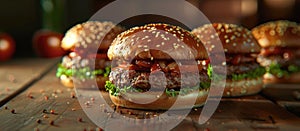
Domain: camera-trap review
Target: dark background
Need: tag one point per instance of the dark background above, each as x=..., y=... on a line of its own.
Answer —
x=21, y=18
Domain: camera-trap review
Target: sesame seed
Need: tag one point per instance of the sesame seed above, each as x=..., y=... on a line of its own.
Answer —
x=219, y=26
x=227, y=41
x=224, y=63
x=228, y=93
x=272, y=32
x=157, y=34
x=226, y=26
x=88, y=40
x=198, y=62
x=239, y=29
x=234, y=44
x=279, y=30
x=232, y=37
x=157, y=45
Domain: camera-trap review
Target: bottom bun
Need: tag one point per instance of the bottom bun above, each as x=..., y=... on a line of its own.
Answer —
x=68, y=82
x=243, y=87
x=162, y=102
x=293, y=78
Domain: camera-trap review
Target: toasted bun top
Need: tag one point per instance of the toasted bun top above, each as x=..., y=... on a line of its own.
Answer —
x=157, y=41
x=234, y=38
x=91, y=35
x=278, y=33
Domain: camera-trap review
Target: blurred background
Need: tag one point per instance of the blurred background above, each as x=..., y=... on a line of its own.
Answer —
x=23, y=18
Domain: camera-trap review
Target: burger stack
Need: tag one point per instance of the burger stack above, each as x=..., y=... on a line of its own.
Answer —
x=244, y=74
x=280, y=54
x=155, y=64
x=87, y=62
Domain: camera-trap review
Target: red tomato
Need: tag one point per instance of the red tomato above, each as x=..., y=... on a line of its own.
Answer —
x=48, y=44
x=7, y=47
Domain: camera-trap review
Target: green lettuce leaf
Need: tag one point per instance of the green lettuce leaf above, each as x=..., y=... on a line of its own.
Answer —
x=113, y=90
x=249, y=75
x=82, y=73
x=236, y=77
x=279, y=71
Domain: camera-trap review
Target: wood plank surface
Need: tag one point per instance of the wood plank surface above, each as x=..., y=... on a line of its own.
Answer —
x=285, y=95
x=47, y=94
x=282, y=92
x=31, y=110
x=17, y=74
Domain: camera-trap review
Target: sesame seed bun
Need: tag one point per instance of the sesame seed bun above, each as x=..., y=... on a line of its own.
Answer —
x=234, y=38
x=139, y=42
x=280, y=33
x=237, y=41
x=243, y=87
x=99, y=82
x=88, y=35
x=79, y=40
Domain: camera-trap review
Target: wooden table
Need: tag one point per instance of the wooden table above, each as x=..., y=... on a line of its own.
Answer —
x=32, y=98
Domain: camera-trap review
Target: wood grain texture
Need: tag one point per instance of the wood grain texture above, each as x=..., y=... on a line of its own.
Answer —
x=17, y=74
x=282, y=92
x=47, y=94
x=285, y=95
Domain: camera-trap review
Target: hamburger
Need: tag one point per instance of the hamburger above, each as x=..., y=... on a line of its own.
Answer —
x=84, y=62
x=280, y=53
x=244, y=74
x=156, y=64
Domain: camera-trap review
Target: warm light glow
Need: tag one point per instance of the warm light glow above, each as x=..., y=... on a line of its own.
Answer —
x=280, y=3
x=4, y=44
x=54, y=42
x=249, y=7
x=69, y=41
